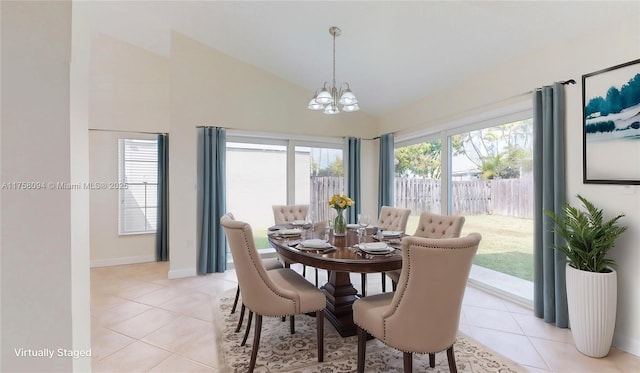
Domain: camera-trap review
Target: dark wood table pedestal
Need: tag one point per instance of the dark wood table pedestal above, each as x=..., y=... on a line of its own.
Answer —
x=340, y=297
x=342, y=261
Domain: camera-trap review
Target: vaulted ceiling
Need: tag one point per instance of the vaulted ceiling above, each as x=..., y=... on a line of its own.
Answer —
x=392, y=53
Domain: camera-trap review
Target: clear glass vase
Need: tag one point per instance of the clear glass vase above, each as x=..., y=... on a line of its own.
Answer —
x=339, y=224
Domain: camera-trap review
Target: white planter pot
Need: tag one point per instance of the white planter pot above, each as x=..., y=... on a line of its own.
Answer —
x=592, y=300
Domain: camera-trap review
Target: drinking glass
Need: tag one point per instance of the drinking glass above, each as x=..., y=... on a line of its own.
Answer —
x=309, y=227
x=363, y=221
x=327, y=233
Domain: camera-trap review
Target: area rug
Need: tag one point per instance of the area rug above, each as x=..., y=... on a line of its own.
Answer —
x=280, y=351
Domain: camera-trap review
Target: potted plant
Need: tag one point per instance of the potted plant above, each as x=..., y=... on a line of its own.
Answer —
x=591, y=279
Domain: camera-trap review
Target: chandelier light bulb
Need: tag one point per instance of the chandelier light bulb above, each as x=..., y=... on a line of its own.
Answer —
x=331, y=109
x=313, y=105
x=350, y=108
x=324, y=97
x=348, y=98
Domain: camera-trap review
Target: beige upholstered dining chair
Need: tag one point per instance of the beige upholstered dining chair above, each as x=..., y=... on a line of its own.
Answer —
x=393, y=218
x=287, y=214
x=269, y=264
x=390, y=219
x=422, y=315
x=277, y=293
x=433, y=225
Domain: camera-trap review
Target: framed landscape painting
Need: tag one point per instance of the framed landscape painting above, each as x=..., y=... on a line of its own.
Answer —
x=611, y=125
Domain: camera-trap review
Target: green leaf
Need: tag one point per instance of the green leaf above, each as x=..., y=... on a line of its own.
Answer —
x=588, y=237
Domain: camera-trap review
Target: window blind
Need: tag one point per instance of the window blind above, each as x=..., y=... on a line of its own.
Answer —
x=138, y=168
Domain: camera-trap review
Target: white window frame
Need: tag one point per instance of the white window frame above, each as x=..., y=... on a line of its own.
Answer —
x=290, y=141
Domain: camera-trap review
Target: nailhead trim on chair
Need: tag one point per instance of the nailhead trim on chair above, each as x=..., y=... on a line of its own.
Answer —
x=404, y=290
x=253, y=262
x=268, y=283
x=401, y=294
x=399, y=349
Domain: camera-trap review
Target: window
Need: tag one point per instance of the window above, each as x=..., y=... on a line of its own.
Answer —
x=491, y=184
x=481, y=168
x=256, y=180
x=319, y=175
x=262, y=172
x=138, y=168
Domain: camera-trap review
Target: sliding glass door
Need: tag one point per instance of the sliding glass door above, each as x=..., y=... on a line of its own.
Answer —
x=417, y=183
x=256, y=180
x=262, y=172
x=319, y=174
x=491, y=184
x=482, y=170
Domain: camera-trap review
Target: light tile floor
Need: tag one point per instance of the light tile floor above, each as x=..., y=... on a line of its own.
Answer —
x=141, y=321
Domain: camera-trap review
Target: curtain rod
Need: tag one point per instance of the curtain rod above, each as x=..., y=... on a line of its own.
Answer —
x=142, y=132
x=563, y=82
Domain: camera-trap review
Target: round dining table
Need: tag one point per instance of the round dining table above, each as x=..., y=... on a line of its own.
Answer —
x=342, y=258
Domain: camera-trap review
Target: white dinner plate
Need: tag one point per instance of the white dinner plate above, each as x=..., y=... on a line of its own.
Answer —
x=374, y=246
x=356, y=226
x=299, y=222
x=315, y=243
x=391, y=233
x=290, y=232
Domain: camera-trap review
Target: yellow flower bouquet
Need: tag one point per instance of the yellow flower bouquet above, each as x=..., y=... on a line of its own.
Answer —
x=340, y=202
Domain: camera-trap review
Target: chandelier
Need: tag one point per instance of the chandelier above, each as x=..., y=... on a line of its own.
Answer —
x=328, y=97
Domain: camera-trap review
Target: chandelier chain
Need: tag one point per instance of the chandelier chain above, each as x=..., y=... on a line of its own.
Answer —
x=334, y=59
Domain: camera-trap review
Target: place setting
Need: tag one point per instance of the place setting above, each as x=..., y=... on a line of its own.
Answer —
x=315, y=245
x=283, y=232
x=391, y=238
x=373, y=249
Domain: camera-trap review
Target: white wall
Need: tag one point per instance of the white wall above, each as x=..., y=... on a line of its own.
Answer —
x=107, y=246
x=129, y=87
x=607, y=47
x=41, y=286
x=129, y=90
x=79, y=153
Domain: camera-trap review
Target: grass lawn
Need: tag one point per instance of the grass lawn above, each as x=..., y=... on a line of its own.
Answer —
x=506, y=246
x=260, y=236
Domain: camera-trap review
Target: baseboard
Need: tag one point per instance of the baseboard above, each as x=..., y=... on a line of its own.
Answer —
x=122, y=261
x=626, y=344
x=180, y=273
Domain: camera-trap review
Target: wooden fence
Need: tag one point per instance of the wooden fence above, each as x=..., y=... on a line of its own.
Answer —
x=507, y=197
x=322, y=188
